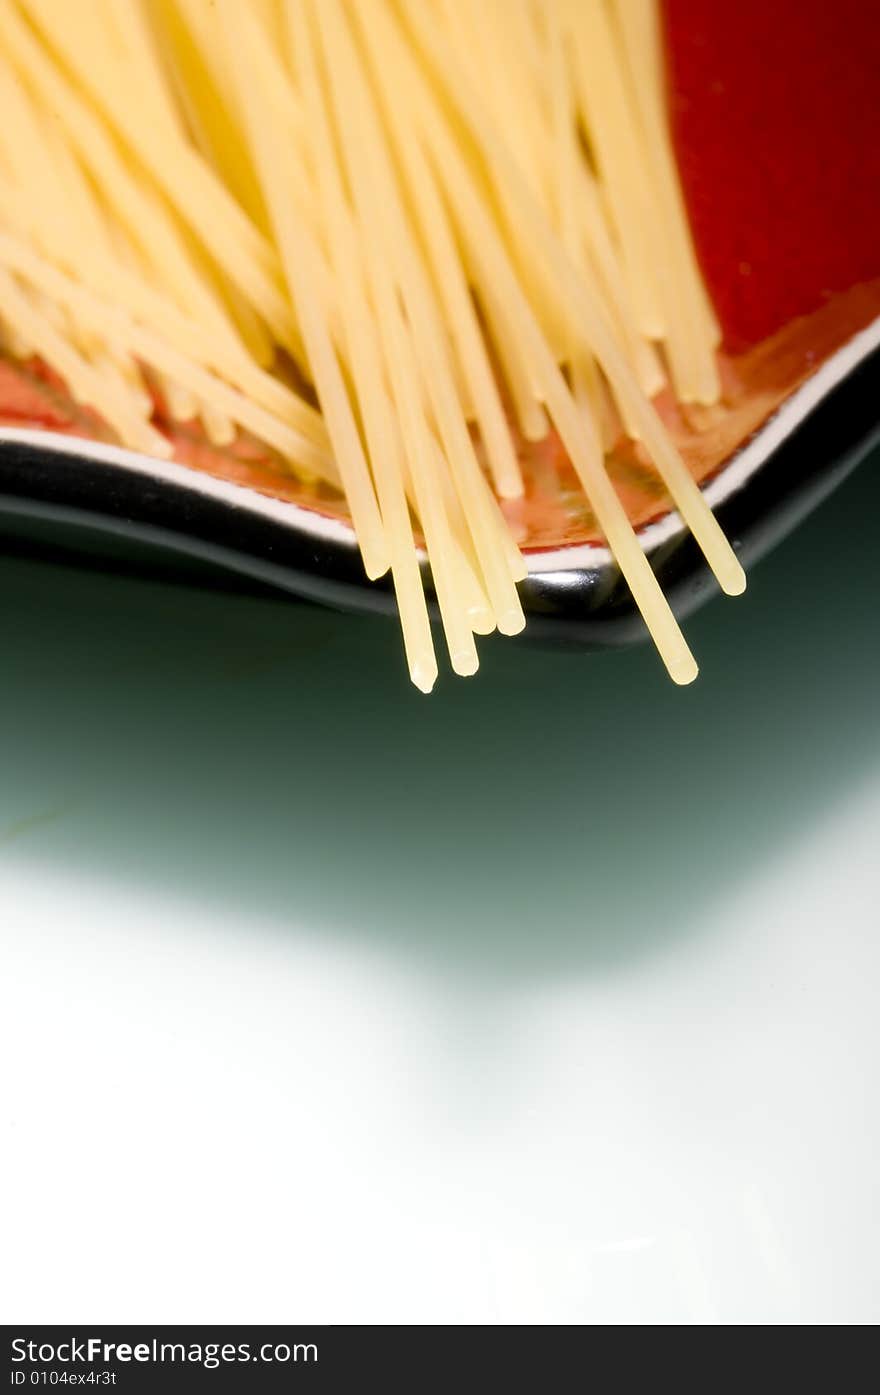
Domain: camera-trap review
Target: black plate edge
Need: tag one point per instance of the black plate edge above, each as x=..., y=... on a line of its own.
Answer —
x=590, y=607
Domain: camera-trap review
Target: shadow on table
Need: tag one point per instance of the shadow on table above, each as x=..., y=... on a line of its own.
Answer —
x=562, y=811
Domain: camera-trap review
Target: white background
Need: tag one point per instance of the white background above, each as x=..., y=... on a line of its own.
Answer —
x=550, y=998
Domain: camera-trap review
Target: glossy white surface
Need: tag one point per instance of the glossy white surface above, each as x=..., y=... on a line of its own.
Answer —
x=552, y=999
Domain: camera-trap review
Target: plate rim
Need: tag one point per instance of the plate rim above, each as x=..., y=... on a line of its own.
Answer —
x=573, y=557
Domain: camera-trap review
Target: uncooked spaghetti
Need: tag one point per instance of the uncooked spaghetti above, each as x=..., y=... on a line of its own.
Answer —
x=391, y=239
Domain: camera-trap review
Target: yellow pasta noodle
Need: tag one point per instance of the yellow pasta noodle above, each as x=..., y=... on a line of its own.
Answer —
x=400, y=242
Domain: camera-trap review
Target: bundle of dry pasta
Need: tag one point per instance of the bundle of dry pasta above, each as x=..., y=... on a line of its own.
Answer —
x=447, y=222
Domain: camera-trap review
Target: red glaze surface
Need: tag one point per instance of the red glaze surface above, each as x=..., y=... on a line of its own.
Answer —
x=775, y=109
